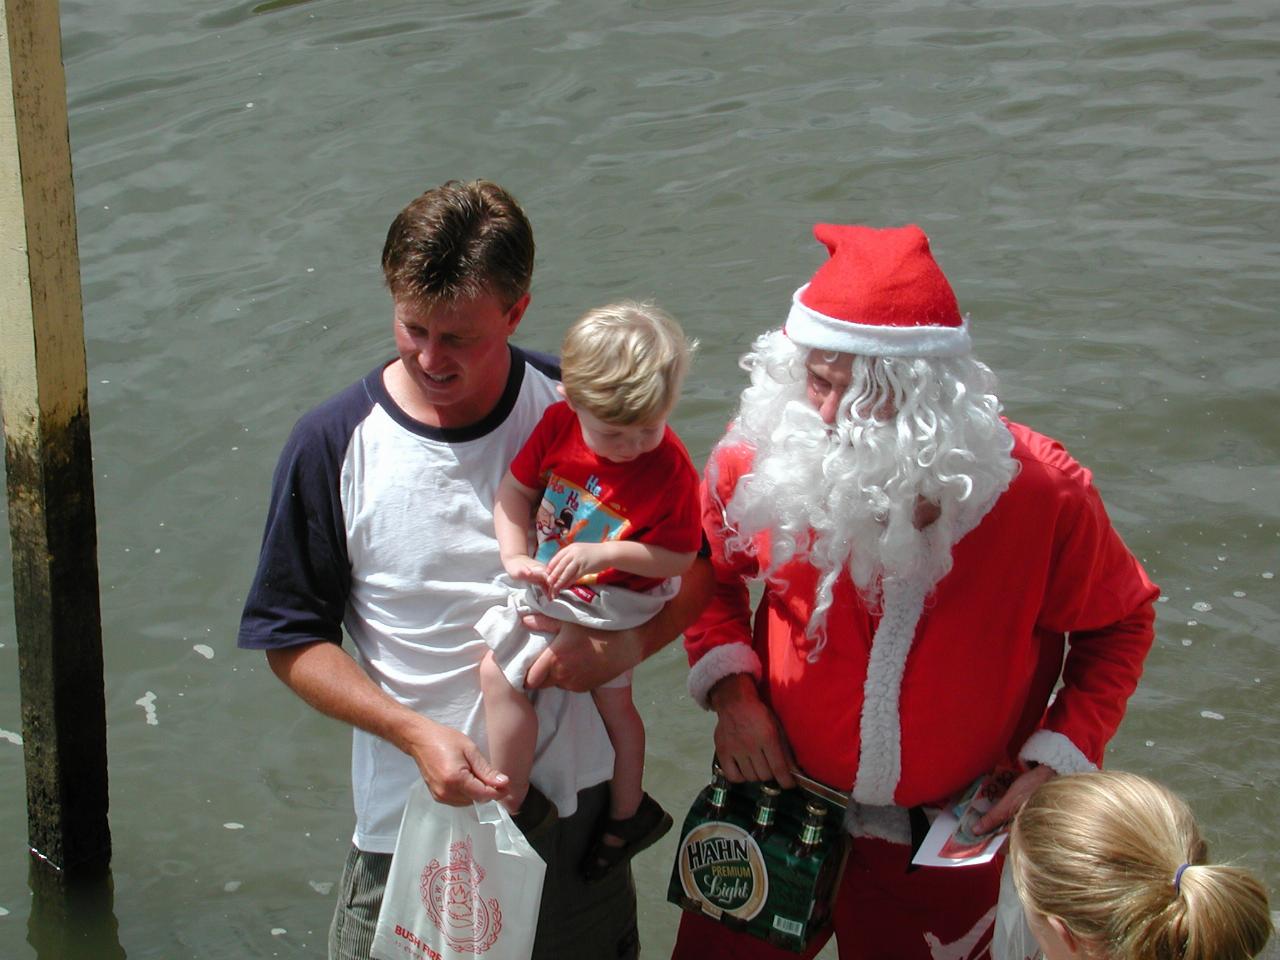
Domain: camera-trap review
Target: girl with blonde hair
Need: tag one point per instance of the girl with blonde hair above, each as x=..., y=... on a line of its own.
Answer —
x=1111, y=866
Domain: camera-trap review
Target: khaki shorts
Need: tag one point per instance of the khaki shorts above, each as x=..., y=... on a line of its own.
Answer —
x=588, y=922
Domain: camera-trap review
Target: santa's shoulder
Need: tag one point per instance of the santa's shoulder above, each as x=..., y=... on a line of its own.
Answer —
x=1044, y=461
x=732, y=456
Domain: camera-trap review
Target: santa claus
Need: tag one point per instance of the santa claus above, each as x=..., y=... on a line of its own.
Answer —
x=929, y=571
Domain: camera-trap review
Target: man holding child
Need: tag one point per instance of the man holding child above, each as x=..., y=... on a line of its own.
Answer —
x=381, y=521
x=925, y=564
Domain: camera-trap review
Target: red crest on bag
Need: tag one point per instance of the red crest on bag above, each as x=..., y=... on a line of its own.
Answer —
x=451, y=894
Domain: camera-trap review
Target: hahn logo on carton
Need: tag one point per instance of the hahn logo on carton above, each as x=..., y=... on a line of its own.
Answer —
x=722, y=866
x=451, y=894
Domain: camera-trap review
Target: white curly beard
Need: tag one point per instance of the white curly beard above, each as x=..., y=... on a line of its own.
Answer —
x=846, y=495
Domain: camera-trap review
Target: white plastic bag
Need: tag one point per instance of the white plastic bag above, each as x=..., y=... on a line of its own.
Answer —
x=464, y=883
x=1013, y=939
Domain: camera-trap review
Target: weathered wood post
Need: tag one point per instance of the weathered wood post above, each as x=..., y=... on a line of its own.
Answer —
x=44, y=395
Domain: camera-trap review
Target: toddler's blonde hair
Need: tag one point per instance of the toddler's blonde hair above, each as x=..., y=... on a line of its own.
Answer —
x=625, y=362
x=1101, y=852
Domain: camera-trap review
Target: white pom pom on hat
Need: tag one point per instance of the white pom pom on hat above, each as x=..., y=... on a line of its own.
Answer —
x=880, y=294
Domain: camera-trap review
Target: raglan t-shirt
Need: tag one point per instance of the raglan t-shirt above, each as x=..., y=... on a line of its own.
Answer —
x=652, y=499
x=384, y=526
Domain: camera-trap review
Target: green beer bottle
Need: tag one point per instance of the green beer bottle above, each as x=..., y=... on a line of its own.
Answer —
x=717, y=796
x=763, y=822
x=810, y=839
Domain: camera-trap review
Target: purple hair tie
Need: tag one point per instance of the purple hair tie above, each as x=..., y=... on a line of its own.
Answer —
x=1177, y=880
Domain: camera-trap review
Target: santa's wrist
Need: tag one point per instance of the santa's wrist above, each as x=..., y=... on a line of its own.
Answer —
x=1055, y=751
x=731, y=690
x=719, y=663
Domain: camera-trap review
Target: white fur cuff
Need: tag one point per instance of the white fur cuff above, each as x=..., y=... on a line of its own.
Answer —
x=1056, y=752
x=718, y=663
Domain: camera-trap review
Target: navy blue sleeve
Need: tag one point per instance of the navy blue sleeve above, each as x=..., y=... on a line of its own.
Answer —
x=299, y=593
x=543, y=362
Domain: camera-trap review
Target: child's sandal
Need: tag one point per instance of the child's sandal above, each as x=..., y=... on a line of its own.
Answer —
x=639, y=831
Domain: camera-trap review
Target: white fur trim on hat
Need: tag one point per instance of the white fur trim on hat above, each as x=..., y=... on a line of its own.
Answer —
x=718, y=663
x=817, y=331
x=880, y=757
x=1055, y=751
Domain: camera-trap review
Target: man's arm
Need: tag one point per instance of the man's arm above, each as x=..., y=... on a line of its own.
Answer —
x=724, y=668
x=1102, y=599
x=327, y=678
x=579, y=659
x=1098, y=677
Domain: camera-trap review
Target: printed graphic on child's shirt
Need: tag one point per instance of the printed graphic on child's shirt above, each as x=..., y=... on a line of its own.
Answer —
x=570, y=513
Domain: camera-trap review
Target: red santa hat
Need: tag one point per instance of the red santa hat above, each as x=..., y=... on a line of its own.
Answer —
x=880, y=294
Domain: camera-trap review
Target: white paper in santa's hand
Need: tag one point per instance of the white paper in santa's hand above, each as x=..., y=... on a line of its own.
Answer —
x=941, y=835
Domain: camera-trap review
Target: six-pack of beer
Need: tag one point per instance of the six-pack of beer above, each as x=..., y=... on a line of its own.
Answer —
x=762, y=860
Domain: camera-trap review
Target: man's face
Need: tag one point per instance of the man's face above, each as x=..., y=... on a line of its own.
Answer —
x=455, y=356
x=826, y=380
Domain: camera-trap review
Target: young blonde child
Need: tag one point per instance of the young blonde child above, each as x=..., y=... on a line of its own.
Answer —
x=1111, y=866
x=610, y=496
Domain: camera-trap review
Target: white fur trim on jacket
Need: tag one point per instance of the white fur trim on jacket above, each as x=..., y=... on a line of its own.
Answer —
x=892, y=824
x=808, y=328
x=718, y=663
x=1056, y=752
x=880, y=757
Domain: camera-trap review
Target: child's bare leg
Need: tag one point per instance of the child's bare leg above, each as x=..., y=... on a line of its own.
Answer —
x=636, y=821
x=626, y=733
x=513, y=729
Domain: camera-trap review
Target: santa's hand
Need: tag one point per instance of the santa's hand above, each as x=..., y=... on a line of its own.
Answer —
x=1007, y=806
x=455, y=770
x=571, y=563
x=748, y=738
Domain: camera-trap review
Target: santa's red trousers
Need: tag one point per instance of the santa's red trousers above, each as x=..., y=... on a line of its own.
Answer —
x=881, y=912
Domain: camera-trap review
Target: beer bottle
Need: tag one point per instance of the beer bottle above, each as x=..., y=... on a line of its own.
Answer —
x=810, y=830
x=717, y=795
x=766, y=811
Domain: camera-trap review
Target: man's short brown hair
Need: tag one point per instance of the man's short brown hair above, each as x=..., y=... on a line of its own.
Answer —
x=458, y=241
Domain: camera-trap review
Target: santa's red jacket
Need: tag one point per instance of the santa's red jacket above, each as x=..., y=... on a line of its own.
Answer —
x=908, y=705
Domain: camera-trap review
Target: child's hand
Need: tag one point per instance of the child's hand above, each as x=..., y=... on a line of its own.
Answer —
x=572, y=563
x=526, y=570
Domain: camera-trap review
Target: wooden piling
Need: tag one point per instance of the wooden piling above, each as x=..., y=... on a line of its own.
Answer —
x=44, y=396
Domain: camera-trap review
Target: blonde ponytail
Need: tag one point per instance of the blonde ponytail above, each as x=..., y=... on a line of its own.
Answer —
x=1225, y=912
x=1121, y=862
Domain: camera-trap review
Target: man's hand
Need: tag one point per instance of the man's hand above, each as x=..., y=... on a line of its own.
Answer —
x=578, y=660
x=455, y=770
x=1017, y=794
x=748, y=738
x=325, y=676
x=573, y=562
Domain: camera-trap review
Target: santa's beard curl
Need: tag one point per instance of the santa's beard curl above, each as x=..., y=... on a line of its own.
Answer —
x=907, y=431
